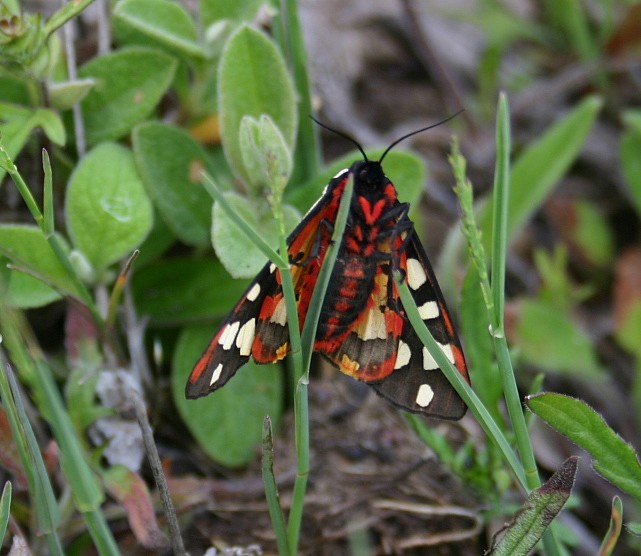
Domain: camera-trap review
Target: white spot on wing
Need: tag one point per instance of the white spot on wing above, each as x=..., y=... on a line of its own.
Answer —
x=428, y=361
x=279, y=316
x=416, y=276
x=403, y=355
x=374, y=327
x=245, y=338
x=272, y=268
x=217, y=371
x=343, y=171
x=429, y=310
x=254, y=292
x=447, y=350
x=229, y=335
x=425, y=395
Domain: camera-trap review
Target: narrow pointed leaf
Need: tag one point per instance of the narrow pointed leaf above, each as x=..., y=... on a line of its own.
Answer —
x=613, y=458
x=534, y=517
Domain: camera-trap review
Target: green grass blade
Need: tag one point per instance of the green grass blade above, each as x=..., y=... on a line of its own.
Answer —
x=613, y=533
x=499, y=250
x=40, y=489
x=307, y=153
x=301, y=418
x=271, y=490
x=308, y=335
x=5, y=507
x=542, y=165
x=463, y=388
x=315, y=305
x=48, y=225
x=54, y=240
x=500, y=210
x=85, y=489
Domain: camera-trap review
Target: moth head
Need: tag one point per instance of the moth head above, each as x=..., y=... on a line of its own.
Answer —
x=368, y=175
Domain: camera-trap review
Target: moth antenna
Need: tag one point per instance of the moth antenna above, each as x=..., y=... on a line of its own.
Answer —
x=380, y=160
x=343, y=135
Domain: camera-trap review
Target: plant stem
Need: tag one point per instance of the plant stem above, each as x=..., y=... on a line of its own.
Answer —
x=301, y=407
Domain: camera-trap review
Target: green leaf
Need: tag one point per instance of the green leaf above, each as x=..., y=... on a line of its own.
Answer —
x=592, y=235
x=108, y=212
x=634, y=528
x=629, y=149
x=627, y=331
x=253, y=80
x=170, y=162
x=557, y=288
x=540, y=167
x=176, y=291
x=212, y=11
x=13, y=89
x=613, y=458
x=159, y=239
x=64, y=95
x=27, y=248
x=227, y=424
x=240, y=256
x=632, y=119
x=17, y=124
x=406, y=170
x=129, y=84
x=22, y=290
x=550, y=340
x=541, y=507
x=166, y=22
x=80, y=393
x=266, y=157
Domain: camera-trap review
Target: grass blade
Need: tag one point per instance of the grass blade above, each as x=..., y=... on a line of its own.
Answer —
x=542, y=165
x=614, y=529
x=271, y=490
x=463, y=388
x=308, y=335
x=5, y=507
x=40, y=489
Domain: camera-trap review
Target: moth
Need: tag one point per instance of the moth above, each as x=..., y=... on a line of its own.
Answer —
x=363, y=328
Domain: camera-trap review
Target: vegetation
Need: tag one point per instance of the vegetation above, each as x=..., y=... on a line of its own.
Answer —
x=184, y=130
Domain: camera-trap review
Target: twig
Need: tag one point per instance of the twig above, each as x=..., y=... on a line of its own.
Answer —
x=175, y=537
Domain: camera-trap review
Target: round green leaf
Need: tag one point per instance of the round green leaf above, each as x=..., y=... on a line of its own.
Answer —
x=176, y=291
x=212, y=11
x=170, y=162
x=228, y=423
x=24, y=291
x=166, y=22
x=108, y=211
x=239, y=255
x=253, y=80
x=27, y=248
x=129, y=84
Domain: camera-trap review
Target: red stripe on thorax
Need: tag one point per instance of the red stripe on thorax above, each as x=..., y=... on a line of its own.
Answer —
x=371, y=212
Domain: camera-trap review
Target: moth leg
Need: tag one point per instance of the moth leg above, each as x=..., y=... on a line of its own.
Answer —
x=324, y=225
